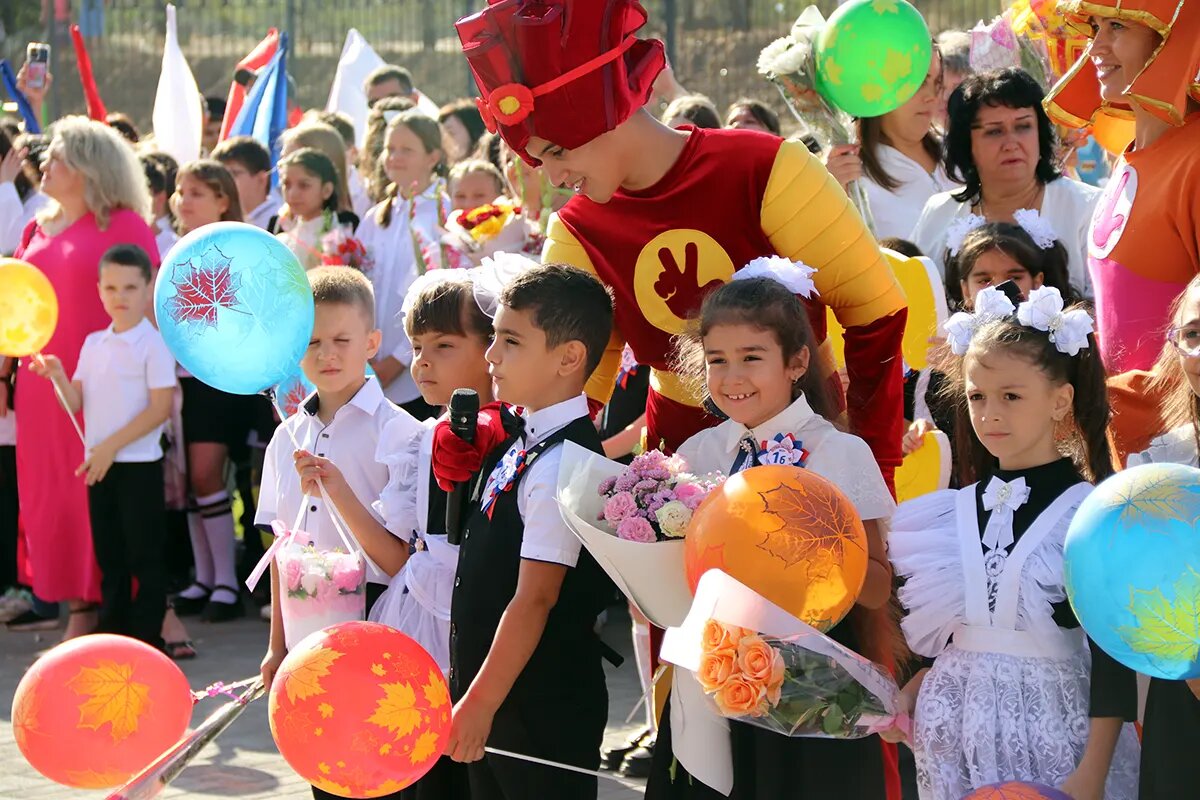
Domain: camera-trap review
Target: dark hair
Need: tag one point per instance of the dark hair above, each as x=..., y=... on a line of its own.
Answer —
x=21, y=183
x=466, y=112
x=491, y=149
x=390, y=72
x=567, y=304
x=343, y=285
x=448, y=307
x=1087, y=443
x=338, y=120
x=871, y=136
x=767, y=305
x=244, y=150
x=429, y=131
x=1013, y=241
x=327, y=140
x=1011, y=88
x=1180, y=405
x=128, y=255
x=320, y=165
x=902, y=246
x=758, y=109
x=696, y=109
x=123, y=125
x=370, y=165
x=213, y=174
x=215, y=106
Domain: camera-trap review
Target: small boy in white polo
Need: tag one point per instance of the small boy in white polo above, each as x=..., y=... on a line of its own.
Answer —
x=124, y=382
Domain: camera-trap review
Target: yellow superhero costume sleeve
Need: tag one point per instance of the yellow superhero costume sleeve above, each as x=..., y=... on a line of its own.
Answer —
x=808, y=218
x=563, y=248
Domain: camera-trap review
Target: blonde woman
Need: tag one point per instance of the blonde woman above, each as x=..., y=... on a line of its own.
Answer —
x=98, y=199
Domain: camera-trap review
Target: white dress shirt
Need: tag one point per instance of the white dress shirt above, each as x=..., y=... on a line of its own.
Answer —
x=12, y=212
x=896, y=211
x=546, y=536
x=1067, y=205
x=117, y=372
x=260, y=217
x=394, y=270
x=843, y=458
x=349, y=442
x=165, y=236
x=360, y=201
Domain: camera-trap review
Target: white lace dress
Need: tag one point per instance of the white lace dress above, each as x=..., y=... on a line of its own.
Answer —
x=1007, y=697
x=417, y=600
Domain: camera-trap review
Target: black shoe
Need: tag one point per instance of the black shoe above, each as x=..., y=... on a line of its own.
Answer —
x=32, y=621
x=215, y=611
x=191, y=606
x=638, y=760
x=611, y=758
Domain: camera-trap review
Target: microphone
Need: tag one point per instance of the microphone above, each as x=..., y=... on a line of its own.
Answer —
x=464, y=415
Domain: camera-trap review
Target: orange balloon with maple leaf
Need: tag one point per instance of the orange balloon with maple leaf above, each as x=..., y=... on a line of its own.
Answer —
x=787, y=533
x=360, y=710
x=1017, y=790
x=97, y=710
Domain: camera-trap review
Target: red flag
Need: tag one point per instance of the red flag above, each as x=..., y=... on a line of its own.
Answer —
x=95, y=105
x=258, y=58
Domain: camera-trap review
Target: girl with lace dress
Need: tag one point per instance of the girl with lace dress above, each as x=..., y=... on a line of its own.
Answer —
x=1013, y=680
x=754, y=349
x=1171, y=724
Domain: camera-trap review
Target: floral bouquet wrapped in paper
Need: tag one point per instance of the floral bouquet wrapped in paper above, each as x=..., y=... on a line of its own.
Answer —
x=339, y=248
x=652, y=499
x=487, y=230
x=632, y=520
x=319, y=588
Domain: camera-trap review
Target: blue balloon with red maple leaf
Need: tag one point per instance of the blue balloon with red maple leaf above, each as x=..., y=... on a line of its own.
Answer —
x=234, y=306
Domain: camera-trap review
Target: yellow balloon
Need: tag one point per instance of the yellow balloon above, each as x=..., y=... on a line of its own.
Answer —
x=926, y=469
x=1112, y=133
x=927, y=310
x=28, y=309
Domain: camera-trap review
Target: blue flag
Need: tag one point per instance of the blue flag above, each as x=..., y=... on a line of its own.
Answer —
x=264, y=115
x=10, y=85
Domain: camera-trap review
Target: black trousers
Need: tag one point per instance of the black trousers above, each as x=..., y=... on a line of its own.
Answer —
x=8, y=518
x=128, y=530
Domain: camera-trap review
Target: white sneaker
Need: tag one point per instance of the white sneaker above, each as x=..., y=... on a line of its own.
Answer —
x=14, y=603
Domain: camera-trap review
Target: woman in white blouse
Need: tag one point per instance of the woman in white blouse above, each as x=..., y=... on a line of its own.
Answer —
x=1000, y=145
x=898, y=159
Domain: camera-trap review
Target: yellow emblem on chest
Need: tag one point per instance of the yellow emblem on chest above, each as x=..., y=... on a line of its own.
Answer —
x=673, y=273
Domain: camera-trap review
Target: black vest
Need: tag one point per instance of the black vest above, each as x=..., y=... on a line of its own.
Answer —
x=567, y=658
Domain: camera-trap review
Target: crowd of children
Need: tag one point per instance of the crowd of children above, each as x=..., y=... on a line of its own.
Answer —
x=697, y=259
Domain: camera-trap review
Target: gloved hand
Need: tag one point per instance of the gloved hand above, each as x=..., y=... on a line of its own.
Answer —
x=455, y=460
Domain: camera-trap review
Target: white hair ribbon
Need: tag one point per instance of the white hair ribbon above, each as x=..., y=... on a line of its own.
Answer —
x=795, y=276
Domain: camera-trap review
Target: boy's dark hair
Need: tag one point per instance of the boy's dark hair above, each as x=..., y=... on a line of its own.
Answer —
x=343, y=285
x=902, y=246
x=123, y=125
x=244, y=150
x=391, y=72
x=215, y=106
x=448, y=307
x=129, y=255
x=567, y=304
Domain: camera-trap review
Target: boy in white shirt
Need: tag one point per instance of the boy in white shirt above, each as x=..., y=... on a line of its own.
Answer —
x=341, y=421
x=124, y=381
x=249, y=162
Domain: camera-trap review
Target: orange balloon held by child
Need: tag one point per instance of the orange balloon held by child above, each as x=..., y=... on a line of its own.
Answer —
x=360, y=710
x=787, y=533
x=95, y=711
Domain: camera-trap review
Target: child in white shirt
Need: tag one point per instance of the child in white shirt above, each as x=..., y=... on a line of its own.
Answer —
x=124, y=381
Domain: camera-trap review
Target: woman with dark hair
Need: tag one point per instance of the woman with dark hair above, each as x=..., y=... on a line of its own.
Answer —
x=692, y=109
x=1000, y=146
x=463, y=126
x=898, y=159
x=754, y=115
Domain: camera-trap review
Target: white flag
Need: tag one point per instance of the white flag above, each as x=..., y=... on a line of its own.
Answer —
x=358, y=60
x=178, y=114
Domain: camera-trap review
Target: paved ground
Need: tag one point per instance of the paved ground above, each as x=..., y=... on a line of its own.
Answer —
x=243, y=762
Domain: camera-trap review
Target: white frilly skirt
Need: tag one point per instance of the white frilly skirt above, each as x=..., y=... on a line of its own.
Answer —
x=417, y=601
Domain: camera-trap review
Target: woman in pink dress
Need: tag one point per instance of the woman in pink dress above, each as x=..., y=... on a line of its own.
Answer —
x=100, y=199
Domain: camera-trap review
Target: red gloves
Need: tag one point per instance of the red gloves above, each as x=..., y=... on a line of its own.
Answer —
x=454, y=460
x=595, y=408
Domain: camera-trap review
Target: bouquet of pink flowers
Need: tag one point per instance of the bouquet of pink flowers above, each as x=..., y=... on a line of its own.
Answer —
x=652, y=500
x=339, y=248
x=320, y=588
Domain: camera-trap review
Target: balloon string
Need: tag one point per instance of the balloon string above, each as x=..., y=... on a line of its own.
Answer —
x=62, y=401
x=222, y=688
x=658, y=673
x=546, y=763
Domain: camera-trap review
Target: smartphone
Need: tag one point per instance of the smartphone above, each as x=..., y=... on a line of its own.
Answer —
x=37, y=62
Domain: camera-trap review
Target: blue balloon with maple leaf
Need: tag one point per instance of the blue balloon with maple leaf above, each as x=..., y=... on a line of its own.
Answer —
x=1132, y=565
x=234, y=306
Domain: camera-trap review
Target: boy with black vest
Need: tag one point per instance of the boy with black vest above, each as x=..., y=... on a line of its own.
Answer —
x=525, y=670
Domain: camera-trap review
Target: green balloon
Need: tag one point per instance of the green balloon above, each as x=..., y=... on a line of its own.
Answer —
x=872, y=56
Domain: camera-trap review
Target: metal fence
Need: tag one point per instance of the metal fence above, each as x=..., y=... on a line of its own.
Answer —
x=712, y=42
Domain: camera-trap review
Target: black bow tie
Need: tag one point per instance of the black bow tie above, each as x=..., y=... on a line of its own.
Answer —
x=514, y=424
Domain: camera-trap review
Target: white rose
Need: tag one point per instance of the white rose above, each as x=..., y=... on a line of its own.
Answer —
x=673, y=518
x=311, y=581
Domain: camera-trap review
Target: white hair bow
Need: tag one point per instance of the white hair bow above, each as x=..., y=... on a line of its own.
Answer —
x=487, y=280
x=1043, y=311
x=796, y=276
x=958, y=229
x=1037, y=226
x=990, y=304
